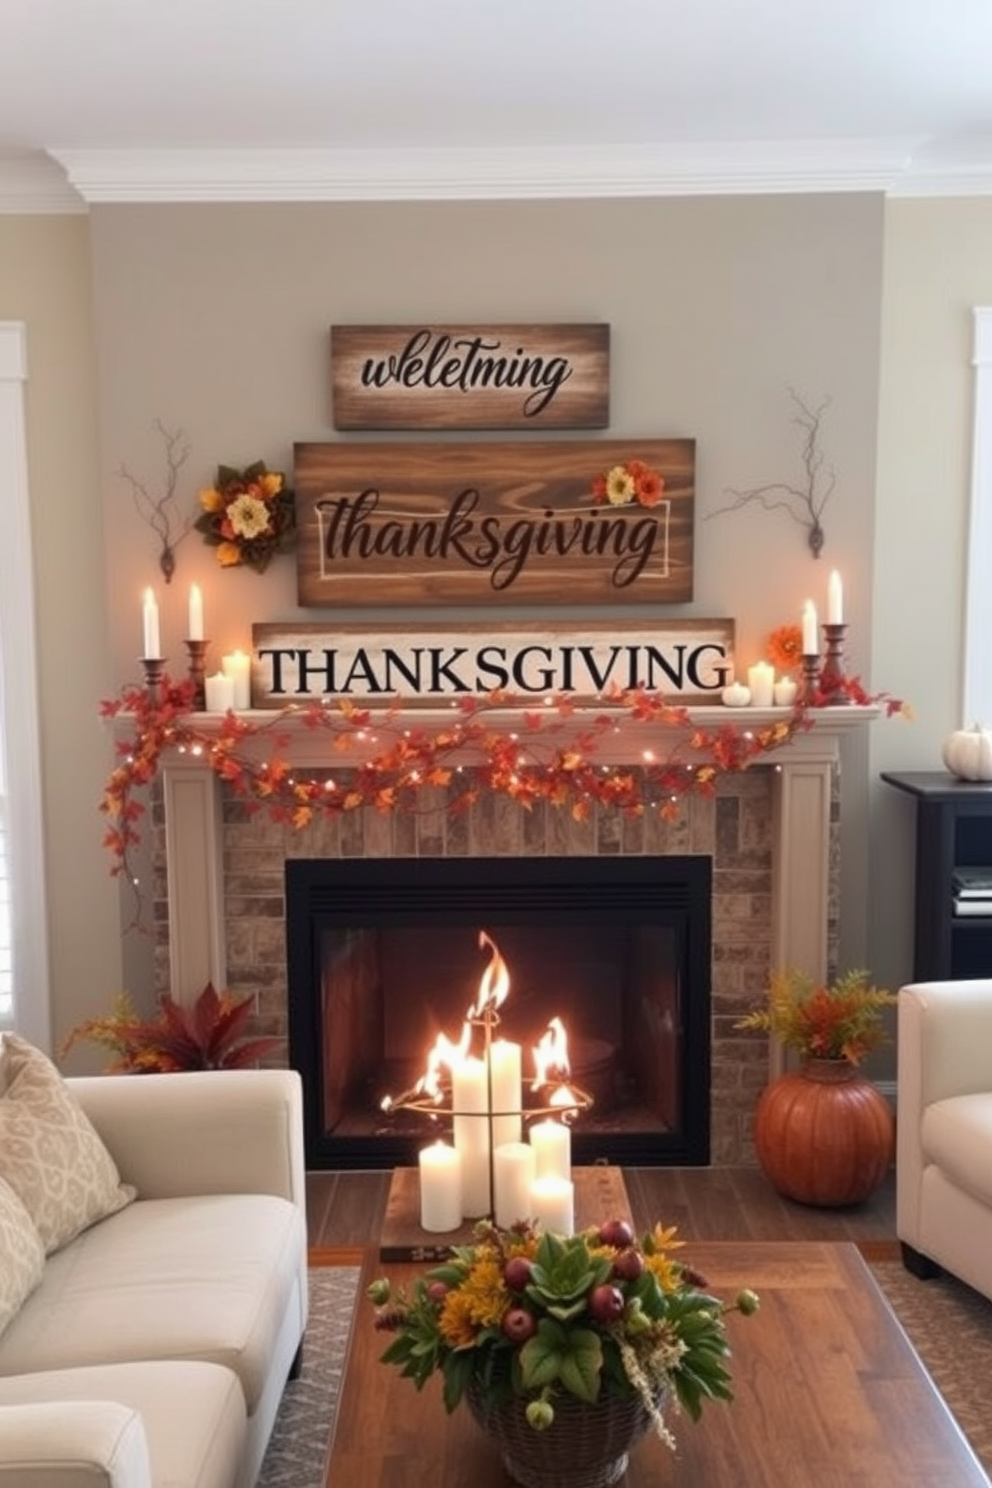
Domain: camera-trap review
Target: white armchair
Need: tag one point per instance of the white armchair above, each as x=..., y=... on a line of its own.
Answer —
x=944, y=1130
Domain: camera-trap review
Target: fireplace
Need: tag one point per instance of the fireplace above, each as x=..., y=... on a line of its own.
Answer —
x=383, y=955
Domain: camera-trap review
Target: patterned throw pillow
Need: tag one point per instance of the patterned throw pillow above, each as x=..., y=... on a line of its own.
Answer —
x=50, y=1153
x=22, y=1255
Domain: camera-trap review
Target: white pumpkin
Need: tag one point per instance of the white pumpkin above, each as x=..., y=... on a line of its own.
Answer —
x=968, y=753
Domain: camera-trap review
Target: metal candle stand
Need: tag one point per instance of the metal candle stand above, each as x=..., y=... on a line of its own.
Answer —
x=488, y=1020
x=198, y=671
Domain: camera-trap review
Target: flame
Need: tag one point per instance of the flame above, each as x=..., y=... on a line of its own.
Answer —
x=494, y=983
x=551, y=1059
x=443, y=1053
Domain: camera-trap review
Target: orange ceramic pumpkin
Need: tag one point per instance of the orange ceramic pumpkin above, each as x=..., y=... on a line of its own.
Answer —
x=824, y=1135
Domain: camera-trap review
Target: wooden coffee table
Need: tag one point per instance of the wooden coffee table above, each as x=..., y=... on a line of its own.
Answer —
x=829, y=1394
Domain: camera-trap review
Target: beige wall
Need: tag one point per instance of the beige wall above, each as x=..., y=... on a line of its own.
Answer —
x=45, y=282
x=938, y=269
x=214, y=320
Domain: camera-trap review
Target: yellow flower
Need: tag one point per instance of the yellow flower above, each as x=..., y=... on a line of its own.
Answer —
x=620, y=486
x=479, y=1302
x=248, y=516
x=228, y=555
x=211, y=500
x=270, y=483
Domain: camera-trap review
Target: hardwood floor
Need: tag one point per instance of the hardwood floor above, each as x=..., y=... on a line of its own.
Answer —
x=346, y=1209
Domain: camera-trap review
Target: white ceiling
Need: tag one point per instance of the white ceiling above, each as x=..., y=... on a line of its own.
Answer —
x=325, y=99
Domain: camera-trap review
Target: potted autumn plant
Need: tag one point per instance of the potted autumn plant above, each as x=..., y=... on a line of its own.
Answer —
x=823, y=1133
x=565, y=1349
x=211, y=1034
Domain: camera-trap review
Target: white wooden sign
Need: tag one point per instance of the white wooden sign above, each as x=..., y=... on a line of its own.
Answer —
x=689, y=661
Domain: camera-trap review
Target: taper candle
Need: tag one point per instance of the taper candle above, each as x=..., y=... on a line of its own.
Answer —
x=194, y=624
x=835, y=600
x=811, y=634
x=152, y=644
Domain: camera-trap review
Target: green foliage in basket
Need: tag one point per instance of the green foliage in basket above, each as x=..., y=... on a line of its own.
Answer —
x=532, y=1314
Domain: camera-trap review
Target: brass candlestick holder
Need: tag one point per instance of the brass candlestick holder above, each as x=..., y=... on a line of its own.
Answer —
x=154, y=669
x=811, y=677
x=832, y=676
x=198, y=671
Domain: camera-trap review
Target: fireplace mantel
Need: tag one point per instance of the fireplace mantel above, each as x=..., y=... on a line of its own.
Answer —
x=802, y=771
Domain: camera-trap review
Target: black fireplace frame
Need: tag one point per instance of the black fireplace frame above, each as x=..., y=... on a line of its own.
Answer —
x=675, y=891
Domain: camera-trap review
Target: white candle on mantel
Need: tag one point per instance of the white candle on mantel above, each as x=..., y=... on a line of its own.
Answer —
x=513, y=1174
x=194, y=623
x=835, y=600
x=149, y=614
x=237, y=666
x=552, y=1144
x=761, y=683
x=469, y=1094
x=440, y=1188
x=218, y=693
x=552, y=1202
x=505, y=1060
x=811, y=635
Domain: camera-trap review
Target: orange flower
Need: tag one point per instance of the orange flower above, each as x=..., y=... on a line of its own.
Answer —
x=784, y=648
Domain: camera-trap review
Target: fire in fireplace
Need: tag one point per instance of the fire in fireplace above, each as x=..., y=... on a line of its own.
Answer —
x=384, y=955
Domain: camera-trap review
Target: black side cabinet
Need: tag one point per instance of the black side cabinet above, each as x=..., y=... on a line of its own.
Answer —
x=953, y=830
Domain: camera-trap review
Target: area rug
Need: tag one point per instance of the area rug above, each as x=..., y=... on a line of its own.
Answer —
x=297, y=1452
x=950, y=1327
x=948, y=1324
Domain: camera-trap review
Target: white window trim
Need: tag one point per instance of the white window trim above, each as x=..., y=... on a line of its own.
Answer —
x=977, y=691
x=19, y=703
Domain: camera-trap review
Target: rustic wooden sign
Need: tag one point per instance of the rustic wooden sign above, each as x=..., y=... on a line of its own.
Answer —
x=495, y=523
x=687, y=660
x=470, y=377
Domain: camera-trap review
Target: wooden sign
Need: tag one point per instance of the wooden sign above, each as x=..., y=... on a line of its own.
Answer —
x=563, y=522
x=471, y=377
x=687, y=660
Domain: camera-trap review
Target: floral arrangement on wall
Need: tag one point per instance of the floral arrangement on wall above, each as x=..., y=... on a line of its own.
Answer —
x=247, y=515
x=632, y=482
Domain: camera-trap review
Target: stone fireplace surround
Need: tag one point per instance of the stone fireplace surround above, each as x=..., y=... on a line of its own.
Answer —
x=771, y=832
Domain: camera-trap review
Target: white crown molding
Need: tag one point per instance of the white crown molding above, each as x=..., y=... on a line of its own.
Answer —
x=36, y=185
x=473, y=175
x=71, y=180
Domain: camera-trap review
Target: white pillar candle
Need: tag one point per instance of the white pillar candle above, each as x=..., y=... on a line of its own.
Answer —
x=811, y=635
x=469, y=1094
x=835, y=600
x=552, y=1144
x=785, y=692
x=761, y=683
x=237, y=666
x=218, y=693
x=149, y=614
x=513, y=1173
x=506, y=1091
x=552, y=1202
x=440, y=1188
x=194, y=624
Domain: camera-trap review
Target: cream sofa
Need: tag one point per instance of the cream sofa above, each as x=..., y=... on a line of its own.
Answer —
x=944, y=1130
x=154, y=1351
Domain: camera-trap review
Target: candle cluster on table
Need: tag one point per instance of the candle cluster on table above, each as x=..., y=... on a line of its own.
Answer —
x=492, y=1167
x=826, y=679
x=221, y=691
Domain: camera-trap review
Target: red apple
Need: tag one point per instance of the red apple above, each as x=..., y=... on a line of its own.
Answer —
x=616, y=1232
x=516, y=1273
x=629, y=1264
x=519, y=1324
x=606, y=1303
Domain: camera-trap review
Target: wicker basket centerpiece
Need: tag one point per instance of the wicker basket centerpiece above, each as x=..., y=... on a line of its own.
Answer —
x=566, y=1349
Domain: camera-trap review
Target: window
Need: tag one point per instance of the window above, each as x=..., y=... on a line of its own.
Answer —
x=24, y=992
